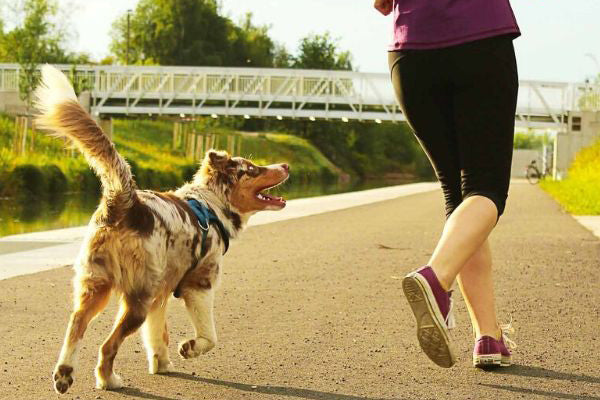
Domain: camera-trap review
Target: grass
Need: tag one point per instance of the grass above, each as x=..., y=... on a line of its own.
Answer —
x=579, y=193
x=147, y=145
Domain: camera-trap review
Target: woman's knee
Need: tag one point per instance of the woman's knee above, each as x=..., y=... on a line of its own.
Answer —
x=498, y=199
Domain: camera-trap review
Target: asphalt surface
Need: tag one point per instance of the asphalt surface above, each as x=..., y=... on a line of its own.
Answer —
x=312, y=308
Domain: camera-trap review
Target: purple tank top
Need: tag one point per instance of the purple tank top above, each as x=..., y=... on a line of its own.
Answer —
x=430, y=24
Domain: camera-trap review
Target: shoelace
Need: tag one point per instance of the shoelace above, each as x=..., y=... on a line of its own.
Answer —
x=450, y=321
x=507, y=329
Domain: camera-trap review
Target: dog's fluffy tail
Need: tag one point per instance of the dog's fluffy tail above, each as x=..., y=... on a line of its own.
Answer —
x=61, y=113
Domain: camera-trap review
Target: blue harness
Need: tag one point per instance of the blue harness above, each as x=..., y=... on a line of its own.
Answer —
x=206, y=217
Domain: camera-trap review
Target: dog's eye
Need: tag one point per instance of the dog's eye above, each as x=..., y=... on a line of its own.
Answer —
x=253, y=170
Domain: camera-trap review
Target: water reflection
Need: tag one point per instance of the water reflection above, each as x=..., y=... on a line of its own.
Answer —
x=24, y=215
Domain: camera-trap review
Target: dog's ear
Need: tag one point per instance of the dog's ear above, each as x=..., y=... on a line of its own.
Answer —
x=216, y=160
x=215, y=163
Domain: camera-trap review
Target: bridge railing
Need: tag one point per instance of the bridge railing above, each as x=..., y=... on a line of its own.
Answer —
x=283, y=92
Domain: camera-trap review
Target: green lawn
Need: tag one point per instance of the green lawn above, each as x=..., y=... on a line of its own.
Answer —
x=147, y=144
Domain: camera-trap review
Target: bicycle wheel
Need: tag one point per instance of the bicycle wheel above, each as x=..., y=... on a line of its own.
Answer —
x=533, y=175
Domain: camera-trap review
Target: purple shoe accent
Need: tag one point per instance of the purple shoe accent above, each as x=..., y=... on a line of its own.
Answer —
x=441, y=296
x=490, y=352
x=431, y=306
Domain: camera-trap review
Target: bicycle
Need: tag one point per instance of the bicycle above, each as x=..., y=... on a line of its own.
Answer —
x=533, y=173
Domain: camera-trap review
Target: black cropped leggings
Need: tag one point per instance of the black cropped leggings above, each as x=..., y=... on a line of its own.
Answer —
x=461, y=102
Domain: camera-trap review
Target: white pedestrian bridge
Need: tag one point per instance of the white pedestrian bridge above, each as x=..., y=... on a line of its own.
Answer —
x=284, y=93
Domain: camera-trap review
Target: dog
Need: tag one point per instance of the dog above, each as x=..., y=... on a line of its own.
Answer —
x=145, y=245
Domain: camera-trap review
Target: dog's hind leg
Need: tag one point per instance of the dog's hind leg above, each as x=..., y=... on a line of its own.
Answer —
x=132, y=314
x=199, y=304
x=91, y=296
x=156, y=338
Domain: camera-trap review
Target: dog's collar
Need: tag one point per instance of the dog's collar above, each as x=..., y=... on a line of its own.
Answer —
x=206, y=217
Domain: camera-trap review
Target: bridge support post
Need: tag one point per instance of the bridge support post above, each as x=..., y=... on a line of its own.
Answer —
x=106, y=124
x=583, y=129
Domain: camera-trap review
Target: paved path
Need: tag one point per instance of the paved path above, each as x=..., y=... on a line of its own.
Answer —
x=41, y=251
x=591, y=222
x=311, y=308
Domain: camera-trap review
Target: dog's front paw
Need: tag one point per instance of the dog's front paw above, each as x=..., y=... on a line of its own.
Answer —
x=63, y=378
x=114, y=382
x=160, y=366
x=195, y=347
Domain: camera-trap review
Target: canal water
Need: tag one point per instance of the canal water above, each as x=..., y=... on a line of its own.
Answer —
x=25, y=215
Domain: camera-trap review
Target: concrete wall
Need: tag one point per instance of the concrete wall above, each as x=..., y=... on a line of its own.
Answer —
x=521, y=159
x=580, y=133
x=11, y=103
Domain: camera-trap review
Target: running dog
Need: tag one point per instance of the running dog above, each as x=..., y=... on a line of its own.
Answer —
x=145, y=245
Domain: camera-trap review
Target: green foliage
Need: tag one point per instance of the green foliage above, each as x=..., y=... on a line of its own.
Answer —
x=80, y=83
x=281, y=57
x=579, y=193
x=147, y=145
x=530, y=141
x=307, y=162
x=28, y=180
x=35, y=39
x=192, y=32
x=320, y=51
x=253, y=43
x=189, y=32
x=32, y=180
x=363, y=149
x=33, y=42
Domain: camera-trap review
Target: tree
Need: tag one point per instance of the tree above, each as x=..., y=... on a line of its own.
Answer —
x=189, y=32
x=252, y=45
x=32, y=42
x=320, y=51
x=35, y=39
x=281, y=57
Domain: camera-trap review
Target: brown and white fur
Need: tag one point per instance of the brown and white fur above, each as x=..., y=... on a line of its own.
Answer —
x=142, y=244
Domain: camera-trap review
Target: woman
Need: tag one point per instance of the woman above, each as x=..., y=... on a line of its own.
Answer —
x=454, y=72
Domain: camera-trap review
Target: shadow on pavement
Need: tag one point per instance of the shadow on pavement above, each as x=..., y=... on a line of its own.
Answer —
x=554, y=395
x=539, y=372
x=134, y=392
x=274, y=390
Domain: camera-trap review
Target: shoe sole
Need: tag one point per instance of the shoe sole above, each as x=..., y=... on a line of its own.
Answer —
x=491, y=360
x=431, y=328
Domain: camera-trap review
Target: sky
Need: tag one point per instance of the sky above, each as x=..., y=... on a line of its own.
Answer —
x=560, y=41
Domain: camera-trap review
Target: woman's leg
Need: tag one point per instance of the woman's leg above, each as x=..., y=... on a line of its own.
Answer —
x=479, y=86
x=476, y=285
x=464, y=233
x=424, y=92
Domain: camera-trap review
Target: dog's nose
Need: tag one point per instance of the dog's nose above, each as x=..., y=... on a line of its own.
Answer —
x=286, y=167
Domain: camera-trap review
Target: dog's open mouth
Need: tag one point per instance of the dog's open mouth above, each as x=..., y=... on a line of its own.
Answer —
x=268, y=198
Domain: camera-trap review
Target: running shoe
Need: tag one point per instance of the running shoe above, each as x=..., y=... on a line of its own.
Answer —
x=432, y=307
x=490, y=352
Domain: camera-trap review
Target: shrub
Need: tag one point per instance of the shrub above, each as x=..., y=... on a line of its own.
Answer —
x=27, y=180
x=56, y=181
x=579, y=193
x=188, y=171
